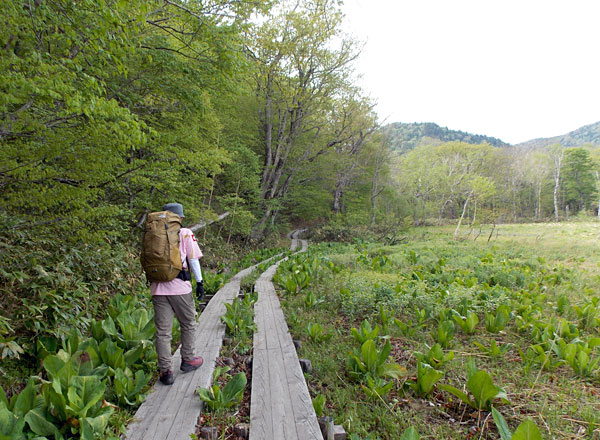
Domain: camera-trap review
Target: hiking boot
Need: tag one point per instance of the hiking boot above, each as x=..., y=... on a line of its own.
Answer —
x=192, y=364
x=166, y=377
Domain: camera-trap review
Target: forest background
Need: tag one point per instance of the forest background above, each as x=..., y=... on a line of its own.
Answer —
x=111, y=108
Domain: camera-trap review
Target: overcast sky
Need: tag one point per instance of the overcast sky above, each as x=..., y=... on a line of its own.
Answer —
x=511, y=69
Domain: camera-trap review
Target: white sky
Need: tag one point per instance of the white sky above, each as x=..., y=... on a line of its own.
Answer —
x=511, y=69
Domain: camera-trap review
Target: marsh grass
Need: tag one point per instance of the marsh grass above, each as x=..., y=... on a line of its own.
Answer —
x=432, y=272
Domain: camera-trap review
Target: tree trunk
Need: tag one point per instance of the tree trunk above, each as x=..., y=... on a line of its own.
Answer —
x=598, y=179
x=557, y=157
x=556, y=186
x=538, y=208
x=259, y=228
x=337, y=199
x=462, y=216
x=375, y=191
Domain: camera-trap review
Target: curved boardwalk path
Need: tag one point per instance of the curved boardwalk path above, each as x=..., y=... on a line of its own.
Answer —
x=171, y=412
x=294, y=237
x=280, y=405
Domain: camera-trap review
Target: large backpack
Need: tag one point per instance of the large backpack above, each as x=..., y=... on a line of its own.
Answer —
x=160, y=256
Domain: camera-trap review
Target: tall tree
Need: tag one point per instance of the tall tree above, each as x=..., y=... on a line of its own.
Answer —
x=349, y=155
x=380, y=158
x=108, y=105
x=301, y=61
x=579, y=179
x=537, y=174
x=557, y=154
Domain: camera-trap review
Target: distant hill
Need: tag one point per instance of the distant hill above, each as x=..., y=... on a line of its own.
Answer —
x=406, y=136
x=588, y=134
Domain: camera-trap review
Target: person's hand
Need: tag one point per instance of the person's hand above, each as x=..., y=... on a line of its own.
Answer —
x=200, y=290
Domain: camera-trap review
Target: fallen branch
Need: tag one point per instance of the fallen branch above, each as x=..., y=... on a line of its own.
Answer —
x=201, y=225
x=194, y=228
x=492, y=232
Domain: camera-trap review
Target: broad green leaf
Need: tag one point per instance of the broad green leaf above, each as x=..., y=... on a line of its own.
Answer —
x=54, y=365
x=501, y=424
x=3, y=398
x=385, y=352
x=234, y=390
x=52, y=393
x=83, y=393
x=99, y=423
x=369, y=355
x=205, y=394
x=90, y=346
x=11, y=426
x=86, y=432
x=394, y=371
x=219, y=371
x=483, y=389
x=319, y=404
x=410, y=434
x=471, y=322
x=39, y=423
x=108, y=325
x=132, y=356
x=527, y=430
x=112, y=354
x=26, y=399
x=458, y=393
x=427, y=377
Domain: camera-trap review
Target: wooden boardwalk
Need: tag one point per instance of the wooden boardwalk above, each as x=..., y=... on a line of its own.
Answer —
x=171, y=412
x=280, y=405
x=294, y=237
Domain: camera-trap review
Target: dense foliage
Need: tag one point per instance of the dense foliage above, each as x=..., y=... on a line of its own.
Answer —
x=458, y=339
x=484, y=184
x=110, y=108
x=404, y=137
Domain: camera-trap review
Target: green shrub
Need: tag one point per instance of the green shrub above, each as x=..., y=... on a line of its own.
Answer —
x=230, y=395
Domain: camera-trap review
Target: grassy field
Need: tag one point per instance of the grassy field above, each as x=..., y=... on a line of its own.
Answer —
x=517, y=320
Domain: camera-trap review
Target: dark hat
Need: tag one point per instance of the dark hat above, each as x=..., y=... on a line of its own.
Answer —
x=177, y=208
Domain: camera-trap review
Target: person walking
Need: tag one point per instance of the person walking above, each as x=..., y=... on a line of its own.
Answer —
x=174, y=298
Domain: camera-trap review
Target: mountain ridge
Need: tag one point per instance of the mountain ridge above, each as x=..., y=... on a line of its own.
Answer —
x=404, y=136
x=587, y=134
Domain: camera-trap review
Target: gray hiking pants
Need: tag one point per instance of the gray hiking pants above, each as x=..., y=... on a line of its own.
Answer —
x=165, y=307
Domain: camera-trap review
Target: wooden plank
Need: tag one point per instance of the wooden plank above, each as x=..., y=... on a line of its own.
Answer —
x=279, y=374
x=302, y=409
x=171, y=412
x=270, y=408
x=280, y=406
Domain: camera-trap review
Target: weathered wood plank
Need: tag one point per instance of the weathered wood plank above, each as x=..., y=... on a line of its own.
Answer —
x=280, y=406
x=171, y=412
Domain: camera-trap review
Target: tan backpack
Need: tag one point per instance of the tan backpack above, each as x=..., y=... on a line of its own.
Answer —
x=160, y=256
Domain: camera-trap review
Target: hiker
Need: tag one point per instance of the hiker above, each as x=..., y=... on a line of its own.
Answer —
x=174, y=298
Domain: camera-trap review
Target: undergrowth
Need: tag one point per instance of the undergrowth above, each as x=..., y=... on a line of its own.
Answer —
x=517, y=319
